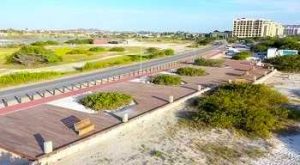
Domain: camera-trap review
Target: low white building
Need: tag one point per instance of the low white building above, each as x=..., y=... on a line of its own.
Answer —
x=274, y=52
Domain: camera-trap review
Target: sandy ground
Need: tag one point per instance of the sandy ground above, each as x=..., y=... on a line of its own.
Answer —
x=286, y=149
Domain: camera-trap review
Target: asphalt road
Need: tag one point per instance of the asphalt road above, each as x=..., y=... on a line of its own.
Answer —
x=42, y=87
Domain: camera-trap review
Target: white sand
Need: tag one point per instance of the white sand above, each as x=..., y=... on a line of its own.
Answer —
x=72, y=103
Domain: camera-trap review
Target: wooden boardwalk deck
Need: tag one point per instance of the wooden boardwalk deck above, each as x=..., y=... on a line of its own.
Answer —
x=23, y=132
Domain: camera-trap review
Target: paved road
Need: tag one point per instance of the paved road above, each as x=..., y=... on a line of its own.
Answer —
x=42, y=87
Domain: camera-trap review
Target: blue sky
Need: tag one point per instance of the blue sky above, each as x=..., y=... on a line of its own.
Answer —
x=133, y=15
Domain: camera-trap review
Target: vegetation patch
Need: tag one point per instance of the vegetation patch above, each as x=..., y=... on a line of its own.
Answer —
x=189, y=71
x=286, y=63
x=280, y=43
x=79, y=51
x=158, y=154
x=204, y=41
x=106, y=101
x=80, y=41
x=45, y=43
x=156, y=53
x=209, y=62
x=117, y=49
x=26, y=77
x=251, y=109
x=164, y=79
x=97, y=49
x=242, y=56
x=31, y=55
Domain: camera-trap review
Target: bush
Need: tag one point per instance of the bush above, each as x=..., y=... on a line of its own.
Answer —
x=169, y=52
x=156, y=53
x=30, y=55
x=208, y=62
x=286, y=63
x=26, y=77
x=254, y=109
x=189, y=71
x=166, y=80
x=44, y=43
x=106, y=101
x=79, y=51
x=152, y=50
x=117, y=49
x=97, y=49
x=80, y=41
x=242, y=56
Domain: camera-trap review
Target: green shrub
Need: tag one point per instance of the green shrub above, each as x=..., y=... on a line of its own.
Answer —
x=152, y=50
x=117, y=49
x=106, y=101
x=166, y=80
x=209, y=62
x=44, y=43
x=30, y=55
x=156, y=53
x=254, y=109
x=189, y=71
x=26, y=77
x=242, y=56
x=79, y=51
x=286, y=63
x=80, y=41
x=97, y=49
x=169, y=52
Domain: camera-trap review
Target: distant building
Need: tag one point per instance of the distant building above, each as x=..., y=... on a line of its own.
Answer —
x=218, y=34
x=245, y=27
x=274, y=52
x=100, y=41
x=291, y=30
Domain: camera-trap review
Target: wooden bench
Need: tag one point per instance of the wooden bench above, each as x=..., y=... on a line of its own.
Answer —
x=84, y=126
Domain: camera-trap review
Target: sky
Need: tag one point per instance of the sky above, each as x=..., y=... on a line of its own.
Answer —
x=136, y=15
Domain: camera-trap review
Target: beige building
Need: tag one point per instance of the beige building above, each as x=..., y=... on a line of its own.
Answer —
x=245, y=27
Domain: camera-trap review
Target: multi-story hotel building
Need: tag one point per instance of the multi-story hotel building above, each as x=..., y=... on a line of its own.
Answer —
x=291, y=30
x=245, y=27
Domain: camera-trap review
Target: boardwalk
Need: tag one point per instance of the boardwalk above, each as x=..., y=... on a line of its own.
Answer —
x=23, y=132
